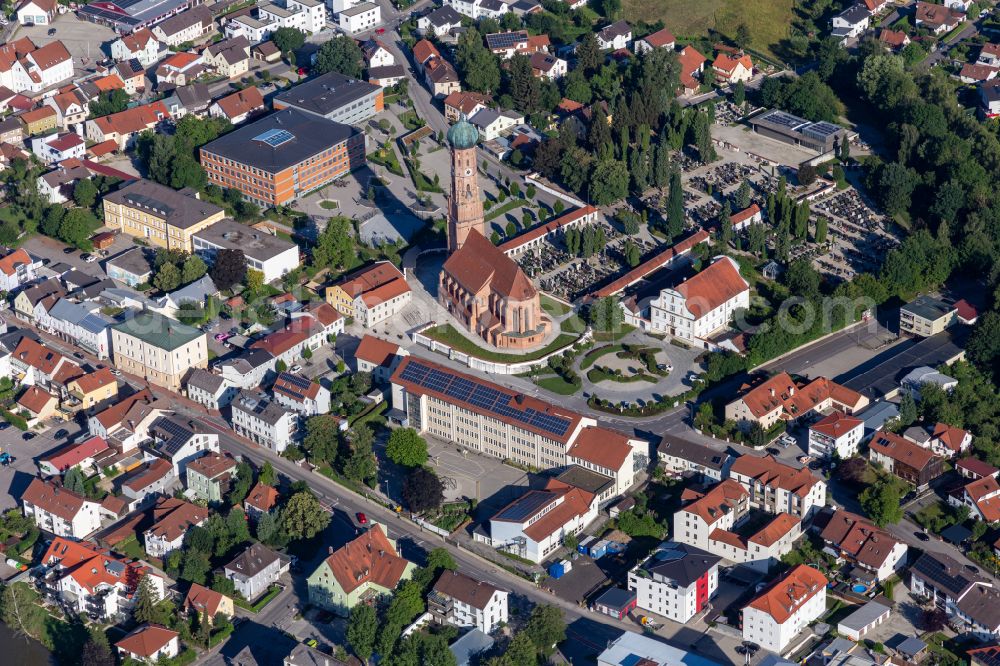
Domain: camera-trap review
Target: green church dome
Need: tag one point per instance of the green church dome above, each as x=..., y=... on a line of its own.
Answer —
x=463, y=134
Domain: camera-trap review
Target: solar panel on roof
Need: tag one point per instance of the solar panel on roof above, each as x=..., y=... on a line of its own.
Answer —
x=525, y=506
x=295, y=380
x=274, y=137
x=505, y=40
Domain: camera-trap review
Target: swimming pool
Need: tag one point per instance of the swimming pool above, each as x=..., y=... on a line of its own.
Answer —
x=859, y=589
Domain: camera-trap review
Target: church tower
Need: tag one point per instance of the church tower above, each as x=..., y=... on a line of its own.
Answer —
x=465, y=209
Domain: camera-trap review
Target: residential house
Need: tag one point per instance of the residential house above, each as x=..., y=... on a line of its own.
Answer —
x=301, y=395
x=376, y=54
x=27, y=68
x=974, y=468
x=172, y=518
x=35, y=364
x=145, y=483
x=924, y=374
x=714, y=522
x=150, y=644
x=92, y=580
x=361, y=17
x=692, y=64
x=944, y=440
x=179, y=441
x=260, y=500
x=616, y=36
x=131, y=267
x=492, y=123
x=681, y=456
x=229, y=58
x=39, y=121
x=82, y=324
x=209, y=389
x=238, y=106
x=836, y=434
x=188, y=26
x=981, y=497
x=37, y=403
x=192, y=98
x=94, y=390
x=70, y=109
x=256, y=569
x=968, y=598
x=207, y=603
x=82, y=455
x=610, y=454
x=786, y=607
x=462, y=601
x=120, y=129
x=534, y=525
x=856, y=539
x=938, y=19
x=732, y=69
x=441, y=77
x=36, y=12
x=976, y=73
x=894, y=40
x=249, y=369
x=926, y=316
x=468, y=103
x=159, y=349
x=363, y=569
x=386, y=77
x=907, y=460
x=60, y=511
x=777, y=487
x=661, y=39
x=17, y=269
x=181, y=68
x=371, y=294
x=209, y=476
x=439, y=22
x=779, y=398
x=677, y=581
x=34, y=301
x=263, y=420
x=548, y=66
x=140, y=45
x=133, y=75
x=378, y=357
x=851, y=23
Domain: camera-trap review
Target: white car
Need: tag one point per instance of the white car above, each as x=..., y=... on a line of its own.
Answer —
x=116, y=372
x=787, y=440
x=295, y=369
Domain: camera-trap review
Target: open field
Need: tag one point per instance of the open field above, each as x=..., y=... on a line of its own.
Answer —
x=768, y=20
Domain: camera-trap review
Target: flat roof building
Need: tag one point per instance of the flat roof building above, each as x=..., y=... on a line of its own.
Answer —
x=783, y=126
x=335, y=97
x=926, y=316
x=284, y=155
x=265, y=252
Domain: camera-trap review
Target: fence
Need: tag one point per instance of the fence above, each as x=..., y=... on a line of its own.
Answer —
x=432, y=528
x=536, y=180
x=494, y=367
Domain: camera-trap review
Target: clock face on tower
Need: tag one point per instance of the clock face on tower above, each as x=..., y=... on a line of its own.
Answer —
x=468, y=172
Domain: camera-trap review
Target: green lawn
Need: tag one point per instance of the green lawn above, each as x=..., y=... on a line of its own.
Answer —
x=558, y=385
x=328, y=204
x=594, y=354
x=504, y=208
x=554, y=307
x=768, y=20
x=265, y=600
x=605, y=336
x=447, y=334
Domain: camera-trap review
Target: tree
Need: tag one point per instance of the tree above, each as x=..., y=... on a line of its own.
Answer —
x=360, y=465
x=852, y=470
x=606, y=315
x=334, y=247
x=907, y=410
x=881, y=501
x=229, y=269
x=303, y=517
x=821, y=230
x=362, y=627
x=422, y=490
x=609, y=182
x=85, y=193
x=806, y=174
x=268, y=531
x=675, y=206
x=757, y=436
x=144, y=609
x=739, y=93
x=322, y=438
x=744, y=196
x=546, y=628
x=77, y=226
x=73, y=481
x=267, y=475
x=340, y=54
x=196, y=566
x=588, y=53
x=934, y=619
x=802, y=279
x=241, y=484
x=406, y=447
x=223, y=585
x=113, y=101
x=743, y=38
x=984, y=343
x=477, y=65
x=288, y=39
x=168, y=278
x=21, y=609
x=194, y=267
x=96, y=653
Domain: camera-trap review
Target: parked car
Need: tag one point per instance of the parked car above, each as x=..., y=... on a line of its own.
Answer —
x=51, y=32
x=362, y=519
x=62, y=432
x=79, y=355
x=773, y=451
x=922, y=536
x=89, y=258
x=116, y=372
x=380, y=31
x=787, y=440
x=28, y=435
x=295, y=368
x=69, y=250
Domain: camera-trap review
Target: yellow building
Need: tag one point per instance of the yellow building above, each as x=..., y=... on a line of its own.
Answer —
x=40, y=120
x=94, y=388
x=158, y=349
x=368, y=281
x=163, y=216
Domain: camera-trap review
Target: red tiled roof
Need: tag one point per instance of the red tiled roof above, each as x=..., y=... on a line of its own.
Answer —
x=9, y=263
x=722, y=499
x=116, y=412
x=725, y=63
x=894, y=38
x=50, y=55
x=789, y=593
x=977, y=466
x=773, y=473
x=95, y=380
x=35, y=399
x=660, y=38
x=950, y=436
x=153, y=472
x=376, y=351
x=173, y=517
x=203, y=600
x=423, y=50
x=212, y=465
x=92, y=566
x=568, y=106
x=859, y=537
x=901, y=450
x=965, y=310
x=690, y=61
x=603, y=447
x=653, y=264
x=781, y=392
x=370, y=558
x=465, y=101
x=836, y=424
x=241, y=102
x=745, y=214
x=782, y=524
x=479, y=263
x=54, y=499
x=716, y=285
x=109, y=82
x=370, y=278
x=285, y=385
x=74, y=454
x=35, y=115
x=576, y=502
x=261, y=497
x=147, y=640
x=548, y=227
x=132, y=120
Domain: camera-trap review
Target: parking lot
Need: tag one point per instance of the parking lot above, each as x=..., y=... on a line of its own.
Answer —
x=83, y=39
x=16, y=477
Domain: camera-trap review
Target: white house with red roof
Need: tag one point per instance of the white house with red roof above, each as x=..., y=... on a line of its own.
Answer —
x=609, y=453
x=661, y=39
x=974, y=468
x=93, y=580
x=300, y=394
x=36, y=12
x=837, y=433
x=949, y=441
x=83, y=455
x=40, y=68
x=172, y=518
x=140, y=45
x=786, y=607
x=741, y=220
x=534, y=525
x=692, y=64
x=378, y=357
x=855, y=539
x=60, y=511
x=149, y=644
x=55, y=148
x=16, y=268
x=777, y=487
x=732, y=68
x=780, y=398
x=371, y=294
x=981, y=496
x=702, y=305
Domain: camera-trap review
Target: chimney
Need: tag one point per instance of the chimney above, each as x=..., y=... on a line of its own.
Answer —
x=771, y=391
x=791, y=390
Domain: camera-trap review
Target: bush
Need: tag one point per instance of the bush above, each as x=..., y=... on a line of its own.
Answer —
x=18, y=422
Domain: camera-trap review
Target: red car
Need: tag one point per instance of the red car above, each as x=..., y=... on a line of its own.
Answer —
x=380, y=31
x=362, y=518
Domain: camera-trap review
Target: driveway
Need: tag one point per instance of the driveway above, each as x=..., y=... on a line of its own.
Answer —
x=15, y=478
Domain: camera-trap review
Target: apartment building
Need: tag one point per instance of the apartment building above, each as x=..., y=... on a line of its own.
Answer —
x=26, y=68
x=981, y=497
x=335, y=97
x=266, y=253
x=256, y=569
x=208, y=477
x=610, y=454
x=159, y=349
x=462, y=601
x=187, y=26
x=777, y=487
x=371, y=294
x=779, y=398
x=970, y=600
x=490, y=419
x=140, y=45
x=176, y=440
x=359, y=18
x=60, y=511
x=258, y=417
x=926, y=316
x=378, y=357
x=859, y=541
x=160, y=215
x=904, y=458
x=680, y=456
x=676, y=581
x=280, y=157
x=298, y=393
x=119, y=130
x=172, y=518
x=836, y=434
x=785, y=608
